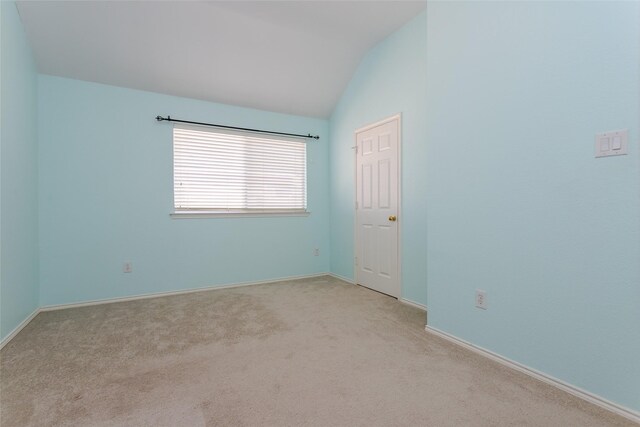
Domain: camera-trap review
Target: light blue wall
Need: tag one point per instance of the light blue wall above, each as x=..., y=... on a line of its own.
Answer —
x=391, y=79
x=18, y=176
x=500, y=104
x=106, y=194
x=517, y=203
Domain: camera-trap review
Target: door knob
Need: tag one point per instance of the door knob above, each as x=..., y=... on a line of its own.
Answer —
x=392, y=218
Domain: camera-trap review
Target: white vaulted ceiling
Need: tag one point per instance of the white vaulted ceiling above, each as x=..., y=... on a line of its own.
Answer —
x=293, y=57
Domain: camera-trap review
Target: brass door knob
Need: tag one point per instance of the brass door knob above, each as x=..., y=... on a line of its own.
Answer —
x=392, y=218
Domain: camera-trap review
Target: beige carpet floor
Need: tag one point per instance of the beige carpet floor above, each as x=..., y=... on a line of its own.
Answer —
x=314, y=352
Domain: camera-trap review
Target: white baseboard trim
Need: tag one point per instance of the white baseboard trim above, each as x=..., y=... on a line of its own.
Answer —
x=344, y=279
x=413, y=304
x=18, y=328
x=402, y=300
x=170, y=293
x=541, y=376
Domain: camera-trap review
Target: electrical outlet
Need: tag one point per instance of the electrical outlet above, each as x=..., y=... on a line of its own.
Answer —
x=127, y=267
x=316, y=252
x=481, y=299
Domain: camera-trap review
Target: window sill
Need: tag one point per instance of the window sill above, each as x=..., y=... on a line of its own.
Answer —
x=235, y=214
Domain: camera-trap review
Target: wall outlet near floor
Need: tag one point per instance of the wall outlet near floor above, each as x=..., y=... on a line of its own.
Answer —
x=481, y=299
x=316, y=252
x=127, y=267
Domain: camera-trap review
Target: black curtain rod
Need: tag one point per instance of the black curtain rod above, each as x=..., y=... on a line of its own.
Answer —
x=169, y=119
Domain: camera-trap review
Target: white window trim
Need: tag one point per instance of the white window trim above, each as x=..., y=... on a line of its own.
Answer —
x=237, y=214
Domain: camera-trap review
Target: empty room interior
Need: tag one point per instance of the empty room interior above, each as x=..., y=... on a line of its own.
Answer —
x=346, y=213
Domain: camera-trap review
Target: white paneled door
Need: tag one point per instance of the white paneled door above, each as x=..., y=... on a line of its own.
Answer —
x=377, y=216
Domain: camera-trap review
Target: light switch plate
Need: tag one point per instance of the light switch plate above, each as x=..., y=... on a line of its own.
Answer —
x=613, y=143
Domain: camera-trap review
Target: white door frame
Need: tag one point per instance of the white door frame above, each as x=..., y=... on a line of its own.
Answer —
x=397, y=117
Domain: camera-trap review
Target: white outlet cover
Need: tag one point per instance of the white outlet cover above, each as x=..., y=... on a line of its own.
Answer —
x=481, y=299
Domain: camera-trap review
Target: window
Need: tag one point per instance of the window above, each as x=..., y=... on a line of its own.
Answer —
x=229, y=172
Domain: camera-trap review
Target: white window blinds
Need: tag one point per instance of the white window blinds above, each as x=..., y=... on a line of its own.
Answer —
x=228, y=171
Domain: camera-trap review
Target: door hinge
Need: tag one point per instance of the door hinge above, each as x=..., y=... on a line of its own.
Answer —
x=356, y=260
x=356, y=205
